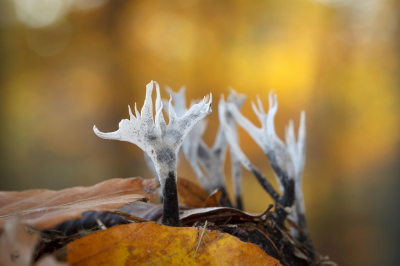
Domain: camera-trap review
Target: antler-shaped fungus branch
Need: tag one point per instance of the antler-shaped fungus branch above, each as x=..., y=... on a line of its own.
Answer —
x=210, y=158
x=297, y=151
x=196, y=151
x=238, y=100
x=190, y=146
x=160, y=141
x=241, y=157
x=287, y=160
x=267, y=139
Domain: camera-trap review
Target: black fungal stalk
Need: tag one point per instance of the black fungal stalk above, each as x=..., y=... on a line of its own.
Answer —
x=170, y=203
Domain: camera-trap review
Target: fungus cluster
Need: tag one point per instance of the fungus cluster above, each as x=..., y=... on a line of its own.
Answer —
x=162, y=143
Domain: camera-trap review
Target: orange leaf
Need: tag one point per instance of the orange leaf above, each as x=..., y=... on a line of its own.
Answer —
x=46, y=208
x=191, y=194
x=150, y=243
x=214, y=199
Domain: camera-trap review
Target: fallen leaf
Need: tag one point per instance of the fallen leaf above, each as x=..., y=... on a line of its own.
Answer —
x=50, y=261
x=44, y=208
x=150, y=243
x=214, y=199
x=17, y=246
x=219, y=214
x=148, y=211
x=190, y=194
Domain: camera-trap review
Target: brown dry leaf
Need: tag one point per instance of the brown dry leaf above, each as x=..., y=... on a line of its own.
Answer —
x=214, y=199
x=190, y=194
x=148, y=211
x=44, y=208
x=150, y=243
x=219, y=214
x=17, y=246
x=50, y=261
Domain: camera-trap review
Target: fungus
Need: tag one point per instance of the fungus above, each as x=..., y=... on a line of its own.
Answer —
x=240, y=156
x=211, y=175
x=297, y=151
x=161, y=142
x=287, y=160
x=238, y=100
x=189, y=146
x=272, y=146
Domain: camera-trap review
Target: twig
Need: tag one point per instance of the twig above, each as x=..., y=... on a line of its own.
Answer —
x=201, y=237
x=101, y=225
x=227, y=221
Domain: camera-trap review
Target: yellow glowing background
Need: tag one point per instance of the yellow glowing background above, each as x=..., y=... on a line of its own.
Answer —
x=67, y=65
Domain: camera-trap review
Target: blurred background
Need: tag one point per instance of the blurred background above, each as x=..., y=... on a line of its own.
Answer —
x=66, y=65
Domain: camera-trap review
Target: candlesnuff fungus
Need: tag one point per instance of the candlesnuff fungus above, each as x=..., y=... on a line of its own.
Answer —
x=189, y=146
x=211, y=174
x=212, y=159
x=287, y=160
x=267, y=139
x=238, y=100
x=241, y=157
x=297, y=151
x=179, y=105
x=161, y=142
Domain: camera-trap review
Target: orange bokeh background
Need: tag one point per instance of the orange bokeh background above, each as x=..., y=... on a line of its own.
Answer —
x=68, y=65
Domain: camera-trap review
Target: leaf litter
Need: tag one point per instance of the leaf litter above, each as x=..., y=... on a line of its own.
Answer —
x=44, y=208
